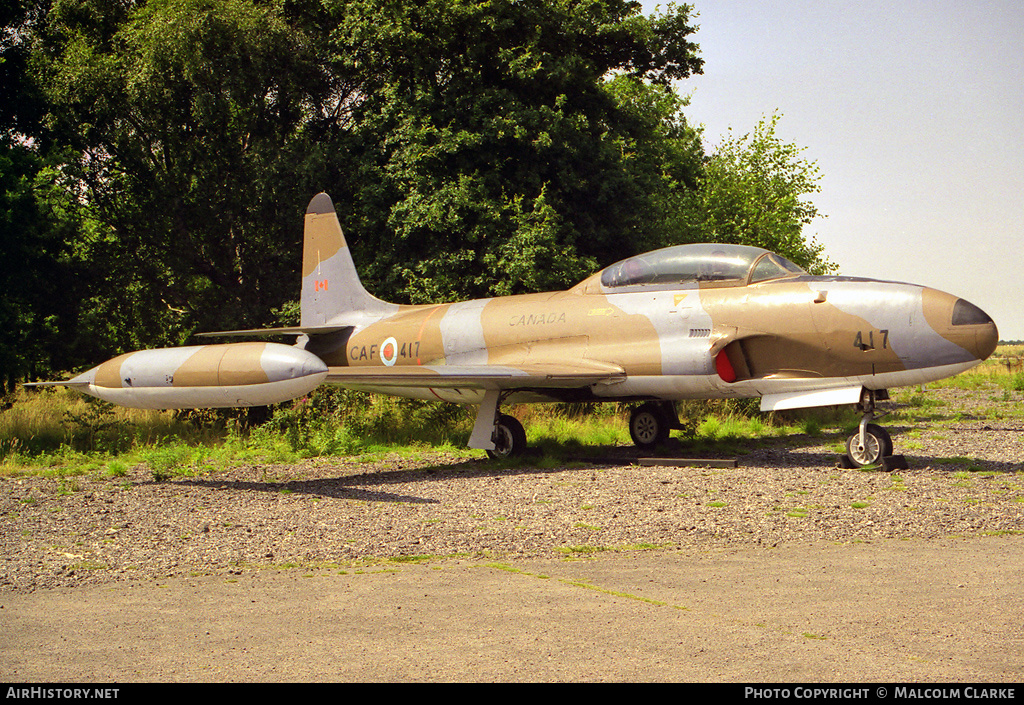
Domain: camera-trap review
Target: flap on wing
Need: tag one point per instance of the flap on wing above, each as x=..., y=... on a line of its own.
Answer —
x=560, y=376
x=813, y=397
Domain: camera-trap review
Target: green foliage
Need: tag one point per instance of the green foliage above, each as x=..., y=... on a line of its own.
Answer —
x=753, y=193
x=478, y=148
x=1017, y=382
x=334, y=421
x=190, y=128
x=501, y=159
x=65, y=433
x=62, y=423
x=39, y=285
x=306, y=430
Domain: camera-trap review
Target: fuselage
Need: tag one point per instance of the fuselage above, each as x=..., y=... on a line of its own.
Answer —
x=693, y=340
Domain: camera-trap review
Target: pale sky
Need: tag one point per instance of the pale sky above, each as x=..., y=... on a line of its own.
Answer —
x=913, y=111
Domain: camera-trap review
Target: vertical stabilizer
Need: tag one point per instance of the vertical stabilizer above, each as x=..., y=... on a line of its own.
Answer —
x=330, y=284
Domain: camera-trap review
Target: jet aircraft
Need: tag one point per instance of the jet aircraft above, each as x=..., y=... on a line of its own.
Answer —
x=701, y=321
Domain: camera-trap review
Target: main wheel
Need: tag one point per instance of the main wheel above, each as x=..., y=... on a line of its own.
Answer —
x=877, y=445
x=510, y=438
x=648, y=425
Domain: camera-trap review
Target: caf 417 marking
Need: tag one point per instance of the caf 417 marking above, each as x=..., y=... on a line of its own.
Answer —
x=704, y=321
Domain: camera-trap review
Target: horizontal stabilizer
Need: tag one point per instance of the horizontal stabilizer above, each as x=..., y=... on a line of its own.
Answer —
x=255, y=332
x=475, y=376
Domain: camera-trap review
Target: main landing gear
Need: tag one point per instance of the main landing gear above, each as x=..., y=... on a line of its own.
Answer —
x=501, y=435
x=509, y=438
x=650, y=423
x=871, y=445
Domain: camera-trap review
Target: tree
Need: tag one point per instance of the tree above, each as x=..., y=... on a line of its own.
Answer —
x=193, y=126
x=499, y=140
x=38, y=287
x=752, y=192
x=474, y=147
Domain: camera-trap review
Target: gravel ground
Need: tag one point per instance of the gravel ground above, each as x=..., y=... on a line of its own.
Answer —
x=964, y=479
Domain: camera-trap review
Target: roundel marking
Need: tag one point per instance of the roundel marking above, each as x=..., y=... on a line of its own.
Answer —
x=389, y=351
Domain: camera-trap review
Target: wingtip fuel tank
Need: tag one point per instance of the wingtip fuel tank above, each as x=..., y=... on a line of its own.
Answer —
x=204, y=376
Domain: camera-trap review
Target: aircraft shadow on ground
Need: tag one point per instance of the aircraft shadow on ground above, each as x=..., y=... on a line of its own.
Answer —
x=569, y=458
x=363, y=487
x=971, y=465
x=797, y=451
x=338, y=488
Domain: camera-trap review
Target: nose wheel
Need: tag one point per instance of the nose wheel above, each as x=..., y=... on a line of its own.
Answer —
x=870, y=446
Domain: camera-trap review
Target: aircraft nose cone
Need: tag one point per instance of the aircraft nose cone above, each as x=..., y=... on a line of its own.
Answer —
x=986, y=336
x=972, y=329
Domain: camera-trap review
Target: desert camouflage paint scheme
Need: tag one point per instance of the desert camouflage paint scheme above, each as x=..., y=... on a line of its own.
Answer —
x=202, y=376
x=705, y=321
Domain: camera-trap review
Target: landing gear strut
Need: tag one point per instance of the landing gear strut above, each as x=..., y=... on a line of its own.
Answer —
x=501, y=435
x=871, y=445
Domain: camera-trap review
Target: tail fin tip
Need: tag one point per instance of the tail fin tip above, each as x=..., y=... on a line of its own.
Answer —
x=331, y=290
x=320, y=204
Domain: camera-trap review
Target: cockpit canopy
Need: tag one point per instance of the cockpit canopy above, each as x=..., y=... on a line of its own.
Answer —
x=704, y=265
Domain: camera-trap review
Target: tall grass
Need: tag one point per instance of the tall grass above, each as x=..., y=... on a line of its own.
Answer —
x=67, y=432
x=1005, y=369
x=56, y=430
x=41, y=422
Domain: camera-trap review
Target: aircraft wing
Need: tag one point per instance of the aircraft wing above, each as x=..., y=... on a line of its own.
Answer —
x=553, y=376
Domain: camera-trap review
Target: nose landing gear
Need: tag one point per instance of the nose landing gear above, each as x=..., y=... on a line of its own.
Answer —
x=871, y=445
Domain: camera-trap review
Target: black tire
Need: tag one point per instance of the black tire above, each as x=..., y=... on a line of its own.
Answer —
x=878, y=445
x=510, y=440
x=648, y=425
